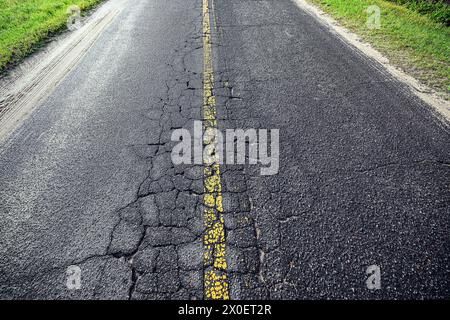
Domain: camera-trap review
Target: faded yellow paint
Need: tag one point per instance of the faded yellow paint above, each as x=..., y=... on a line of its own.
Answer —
x=215, y=277
x=217, y=284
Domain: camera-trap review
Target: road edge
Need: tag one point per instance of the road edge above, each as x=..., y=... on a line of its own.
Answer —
x=25, y=92
x=423, y=92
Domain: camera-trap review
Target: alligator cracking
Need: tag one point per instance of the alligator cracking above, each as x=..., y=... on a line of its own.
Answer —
x=216, y=284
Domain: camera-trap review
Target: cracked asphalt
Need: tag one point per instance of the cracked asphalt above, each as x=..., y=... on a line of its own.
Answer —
x=364, y=175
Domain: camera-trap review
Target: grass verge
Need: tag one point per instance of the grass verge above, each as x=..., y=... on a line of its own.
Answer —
x=24, y=24
x=410, y=40
x=438, y=10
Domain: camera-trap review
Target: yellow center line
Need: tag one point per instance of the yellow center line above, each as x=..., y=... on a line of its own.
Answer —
x=215, y=277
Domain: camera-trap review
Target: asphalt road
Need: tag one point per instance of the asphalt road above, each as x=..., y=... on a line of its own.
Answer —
x=364, y=177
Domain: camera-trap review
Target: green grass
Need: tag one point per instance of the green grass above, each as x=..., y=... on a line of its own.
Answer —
x=437, y=10
x=24, y=24
x=413, y=41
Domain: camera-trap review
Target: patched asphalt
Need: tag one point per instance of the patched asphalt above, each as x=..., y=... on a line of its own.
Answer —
x=364, y=175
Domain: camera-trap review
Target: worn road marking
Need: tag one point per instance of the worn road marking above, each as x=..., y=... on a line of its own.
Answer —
x=215, y=277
